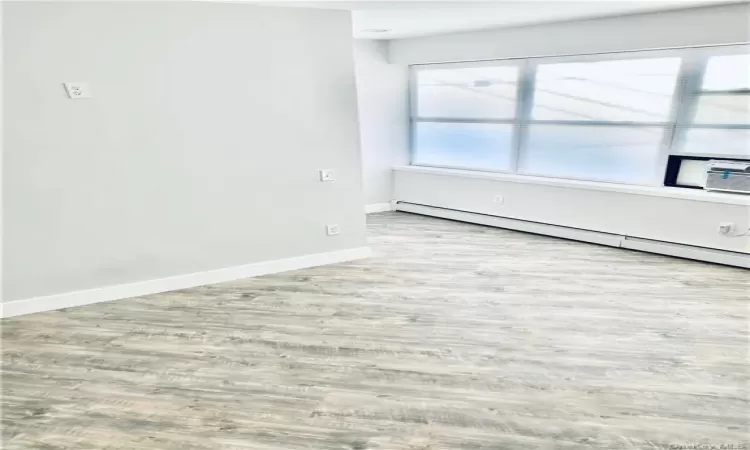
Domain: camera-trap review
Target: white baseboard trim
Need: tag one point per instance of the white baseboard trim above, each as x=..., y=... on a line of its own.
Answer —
x=378, y=207
x=612, y=240
x=513, y=224
x=687, y=251
x=121, y=291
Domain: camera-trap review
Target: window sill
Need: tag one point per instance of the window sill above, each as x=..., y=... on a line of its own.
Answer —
x=656, y=191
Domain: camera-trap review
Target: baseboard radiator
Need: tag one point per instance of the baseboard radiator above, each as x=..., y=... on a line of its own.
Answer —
x=613, y=240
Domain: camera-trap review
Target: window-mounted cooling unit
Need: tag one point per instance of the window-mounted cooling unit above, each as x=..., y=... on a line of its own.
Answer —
x=728, y=176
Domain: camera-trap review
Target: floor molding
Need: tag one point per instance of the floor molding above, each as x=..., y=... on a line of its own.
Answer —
x=575, y=234
x=378, y=207
x=612, y=240
x=687, y=252
x=121, y=291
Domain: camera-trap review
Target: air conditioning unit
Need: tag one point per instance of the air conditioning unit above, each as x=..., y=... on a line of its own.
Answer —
x=728, y=176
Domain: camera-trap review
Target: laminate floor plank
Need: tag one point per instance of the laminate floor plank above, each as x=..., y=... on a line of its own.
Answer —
x=452, y=336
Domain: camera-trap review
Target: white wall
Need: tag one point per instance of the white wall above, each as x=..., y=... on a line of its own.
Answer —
x=199, y=150
x=2, y=122
x=653, y=215
x=685, y=217
x=711, y=25
x=383, y=93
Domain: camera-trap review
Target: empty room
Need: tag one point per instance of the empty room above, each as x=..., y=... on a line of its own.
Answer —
x=375, y=225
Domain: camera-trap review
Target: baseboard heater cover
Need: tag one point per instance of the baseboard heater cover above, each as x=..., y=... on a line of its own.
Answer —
x=576, y=234
x=687, y=251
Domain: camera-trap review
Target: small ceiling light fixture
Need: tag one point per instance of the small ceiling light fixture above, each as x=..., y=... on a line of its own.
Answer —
x=376, y=30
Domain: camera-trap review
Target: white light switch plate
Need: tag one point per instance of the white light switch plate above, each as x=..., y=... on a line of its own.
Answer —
x=326, y=175
x=333, y=230
x=78, y=90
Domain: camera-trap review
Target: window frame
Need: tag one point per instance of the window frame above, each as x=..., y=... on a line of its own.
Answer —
x=415, y=118
x=693, y=91
x=684, y=100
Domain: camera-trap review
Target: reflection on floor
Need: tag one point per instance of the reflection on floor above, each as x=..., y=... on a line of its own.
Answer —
x=453, y=336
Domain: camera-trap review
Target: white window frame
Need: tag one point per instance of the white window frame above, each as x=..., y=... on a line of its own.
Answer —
x=692, y=78
x=684, y=100
x=415, y=118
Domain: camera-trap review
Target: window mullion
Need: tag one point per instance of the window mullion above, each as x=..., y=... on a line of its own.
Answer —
x=413, y=113
x=686, y=100
x=524, y=102
x=683, y=105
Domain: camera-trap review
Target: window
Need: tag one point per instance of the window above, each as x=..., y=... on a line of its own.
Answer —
x=620, y=154
x=600, y=120
x=465, y=145
x=473, y=93
x=727, y=73
x=717, y=122
x=464, y=117
x=724, y=97
x=710, y=141
x=613, y=118
x=723, y=109
x=637, y=90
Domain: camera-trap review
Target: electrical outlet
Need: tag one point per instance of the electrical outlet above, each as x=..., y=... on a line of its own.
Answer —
x=498, y=199
x=333, y=229
x=726, y=227
x=77, y=90
x=326, y=175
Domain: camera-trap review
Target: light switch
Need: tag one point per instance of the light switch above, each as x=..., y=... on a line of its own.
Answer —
x=77, y=90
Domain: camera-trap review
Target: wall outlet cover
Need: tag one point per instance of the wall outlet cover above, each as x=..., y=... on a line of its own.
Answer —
x=333, y=230
x=726, y=227
x=77, y=90
x=326, y=175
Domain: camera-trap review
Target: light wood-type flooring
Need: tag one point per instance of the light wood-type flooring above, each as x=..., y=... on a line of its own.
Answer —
x=453, y=336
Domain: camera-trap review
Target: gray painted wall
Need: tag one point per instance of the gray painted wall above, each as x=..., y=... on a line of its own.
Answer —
x=383, y=94
x=199, y=150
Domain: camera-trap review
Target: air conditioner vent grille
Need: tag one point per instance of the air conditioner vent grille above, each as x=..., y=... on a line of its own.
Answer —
x=728, y=176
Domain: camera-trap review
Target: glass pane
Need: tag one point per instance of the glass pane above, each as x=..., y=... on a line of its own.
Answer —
x=469, y=93
x=727, y=73
x=628, y=90
x=603, y=153
x=692, y=173
x=465, y=145
x=723, y=109
x=717, y=142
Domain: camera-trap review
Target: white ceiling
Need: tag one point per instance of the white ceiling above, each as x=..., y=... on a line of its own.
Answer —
x=404, y=19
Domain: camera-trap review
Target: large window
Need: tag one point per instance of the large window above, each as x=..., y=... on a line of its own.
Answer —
x=466, y=116
x=718, y=108
x=630, y=90
x=614, y=117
